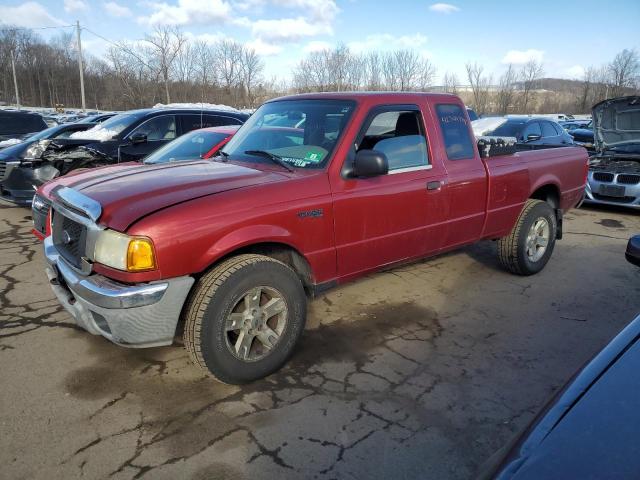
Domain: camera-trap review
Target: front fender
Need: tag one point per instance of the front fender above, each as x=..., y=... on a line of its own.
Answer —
x=243, y=237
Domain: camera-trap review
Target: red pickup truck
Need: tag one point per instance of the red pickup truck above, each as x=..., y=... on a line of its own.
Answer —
x=234, y=247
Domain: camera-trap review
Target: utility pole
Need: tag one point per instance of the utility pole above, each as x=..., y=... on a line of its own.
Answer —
x=84, y=103
x=15, y=80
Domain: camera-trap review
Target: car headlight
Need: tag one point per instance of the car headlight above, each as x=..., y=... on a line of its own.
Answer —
x=35, y=151
x=124, y=252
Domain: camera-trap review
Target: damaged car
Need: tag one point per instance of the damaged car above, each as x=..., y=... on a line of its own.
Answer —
x=128, y=136
x=614, y=170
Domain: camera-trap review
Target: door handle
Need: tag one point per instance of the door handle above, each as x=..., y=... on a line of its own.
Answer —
x=435, y=185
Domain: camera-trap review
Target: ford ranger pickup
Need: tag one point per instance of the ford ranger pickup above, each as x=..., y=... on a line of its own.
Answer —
x=231, y=249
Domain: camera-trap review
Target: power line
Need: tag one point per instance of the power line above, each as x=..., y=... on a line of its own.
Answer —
x=117, y=45
x=34, y=28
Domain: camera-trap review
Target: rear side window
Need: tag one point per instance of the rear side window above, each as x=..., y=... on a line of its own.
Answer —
x=194, y=122
x=455, y=132
x=399, y=134
x=548, y=130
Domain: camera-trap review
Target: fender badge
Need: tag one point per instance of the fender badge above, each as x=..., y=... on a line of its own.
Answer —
x=318, y=212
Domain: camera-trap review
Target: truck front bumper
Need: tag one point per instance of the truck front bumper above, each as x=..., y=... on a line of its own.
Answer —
x=141, y=315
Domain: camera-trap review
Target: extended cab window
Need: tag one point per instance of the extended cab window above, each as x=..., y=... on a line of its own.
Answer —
x=455, y=132
x=548, y=130
x=302, y=133
x=532, y=128
x=399, y=134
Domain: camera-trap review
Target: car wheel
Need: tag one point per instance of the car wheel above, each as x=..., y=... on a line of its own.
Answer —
x=244, y=318
x=527, y=249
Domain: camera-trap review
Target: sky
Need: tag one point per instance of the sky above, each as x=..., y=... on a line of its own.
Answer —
x=567, y=36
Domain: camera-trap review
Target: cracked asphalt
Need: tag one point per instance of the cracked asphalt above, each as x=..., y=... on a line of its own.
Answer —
x=422, y=371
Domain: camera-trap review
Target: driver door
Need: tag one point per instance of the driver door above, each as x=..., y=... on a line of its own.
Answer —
x=156, y=131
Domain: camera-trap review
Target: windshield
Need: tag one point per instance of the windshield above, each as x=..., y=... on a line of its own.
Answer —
x=47, y=133
x=303, y=133
x=192, y=146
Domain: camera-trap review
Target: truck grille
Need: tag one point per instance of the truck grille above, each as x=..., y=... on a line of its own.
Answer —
x=628, y=179
x=603, y=177
x=69, y=237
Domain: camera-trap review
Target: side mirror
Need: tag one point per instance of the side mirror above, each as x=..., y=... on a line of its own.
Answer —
x=138, y=138
x=532, y=137
x=633, y=250
x=370, y=163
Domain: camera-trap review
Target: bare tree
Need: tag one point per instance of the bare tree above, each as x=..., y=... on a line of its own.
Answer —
x=506, y=90
x=450, y=83
x=479, y=86
x=530, y=73
x=165, y=44
x=586, y=88
x=624, y=71
x=251, y=67
x=228, y=61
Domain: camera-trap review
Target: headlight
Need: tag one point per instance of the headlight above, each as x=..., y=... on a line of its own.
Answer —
x=35, y=151
x=131, y=254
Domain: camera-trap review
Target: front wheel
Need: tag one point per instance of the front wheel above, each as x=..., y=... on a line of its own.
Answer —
x=527, y=249
x=244, y=318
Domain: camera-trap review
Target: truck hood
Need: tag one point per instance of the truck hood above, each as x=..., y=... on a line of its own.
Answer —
x=130, y=192
x=616, y=123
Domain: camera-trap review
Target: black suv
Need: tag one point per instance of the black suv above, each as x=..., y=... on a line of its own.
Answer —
x=124, y=137
x=16, y=124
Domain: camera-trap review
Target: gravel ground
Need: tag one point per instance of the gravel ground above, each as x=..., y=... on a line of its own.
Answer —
x=422, y=371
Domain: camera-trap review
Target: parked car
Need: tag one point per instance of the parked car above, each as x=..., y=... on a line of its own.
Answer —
x=584, y=137
x=590, y=428
x=95, y=118
x=235, y=245
x=633, y=250
x=16, y=125
x=16, y=184
x=195, y=145
x=472, y=114
x=614, y=170
x=530, y=132
x=571, y=125
x=124, y=137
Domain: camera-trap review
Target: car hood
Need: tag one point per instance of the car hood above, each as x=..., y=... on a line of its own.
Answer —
x=128, y=193
x=616, y=123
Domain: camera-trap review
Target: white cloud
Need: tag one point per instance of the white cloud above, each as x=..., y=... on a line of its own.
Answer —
x=316, y=46
x=264, y=48
x=75, y=5
x=29, y=15
x=445, y=8
x=519, y=57
x=206, y=37
x=188, y=12
x=323, y=11
x=577, y=71
x=288, y=29
x=116, y=10
x=386, y=41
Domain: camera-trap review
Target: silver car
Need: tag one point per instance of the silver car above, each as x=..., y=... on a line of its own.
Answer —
x=614, y=171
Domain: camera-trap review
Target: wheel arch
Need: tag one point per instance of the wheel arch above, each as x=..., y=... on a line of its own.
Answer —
x=549, y=192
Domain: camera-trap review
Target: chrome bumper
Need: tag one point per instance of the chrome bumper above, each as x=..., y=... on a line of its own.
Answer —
x=143, y=315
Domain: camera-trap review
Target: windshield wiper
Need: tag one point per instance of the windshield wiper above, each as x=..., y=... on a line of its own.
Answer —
x=271, y=156
x=222, y=154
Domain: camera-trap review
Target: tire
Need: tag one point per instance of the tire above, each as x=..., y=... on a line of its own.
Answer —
x=226, y=296
x=514, y=251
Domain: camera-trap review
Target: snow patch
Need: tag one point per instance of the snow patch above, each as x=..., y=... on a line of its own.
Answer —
x=202, y=106
x=98, y=133
x=9, y=142
x=483, y=126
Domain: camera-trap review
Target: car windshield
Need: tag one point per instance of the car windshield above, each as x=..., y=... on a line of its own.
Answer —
x=302, y=133
x=510, y=128
x=192, y=146
x=46, y=133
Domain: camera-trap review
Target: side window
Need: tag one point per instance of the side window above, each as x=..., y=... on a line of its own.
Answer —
x=559, y=130
x=455, y=132
x=399, y=134
x=532, y=128
x=162, y=127
x=548, y=130
x=190, y=122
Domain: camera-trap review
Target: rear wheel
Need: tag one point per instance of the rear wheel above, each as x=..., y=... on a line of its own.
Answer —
x=244, y=318
x=527, y=249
